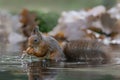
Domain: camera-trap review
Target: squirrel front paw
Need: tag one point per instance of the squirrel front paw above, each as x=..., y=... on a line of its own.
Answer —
x=30, y=51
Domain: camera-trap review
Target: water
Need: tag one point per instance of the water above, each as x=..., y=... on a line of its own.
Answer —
x=12, y=68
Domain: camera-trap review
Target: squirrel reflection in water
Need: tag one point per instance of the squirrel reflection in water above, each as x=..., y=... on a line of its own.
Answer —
x=36, y=71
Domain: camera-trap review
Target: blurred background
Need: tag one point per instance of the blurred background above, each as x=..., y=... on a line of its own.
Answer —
x=64, y=20
x=54, y=5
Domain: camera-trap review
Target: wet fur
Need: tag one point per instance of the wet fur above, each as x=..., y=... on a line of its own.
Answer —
x=89, y=51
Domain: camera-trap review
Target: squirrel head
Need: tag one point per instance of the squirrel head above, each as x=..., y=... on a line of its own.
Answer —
x=35, y=38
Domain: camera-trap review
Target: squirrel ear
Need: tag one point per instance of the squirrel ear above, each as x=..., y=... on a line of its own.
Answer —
x=36, y=32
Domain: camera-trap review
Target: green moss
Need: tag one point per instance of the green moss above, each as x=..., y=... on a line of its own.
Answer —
x=47, y=21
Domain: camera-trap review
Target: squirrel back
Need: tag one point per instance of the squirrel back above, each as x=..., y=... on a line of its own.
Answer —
x=53, y=46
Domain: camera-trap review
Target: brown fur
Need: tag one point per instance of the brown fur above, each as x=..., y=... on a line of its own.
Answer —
x=86, y=51
x=28, y=21
x=44, y=46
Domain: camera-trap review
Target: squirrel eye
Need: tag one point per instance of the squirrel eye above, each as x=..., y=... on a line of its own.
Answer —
x=36, y=40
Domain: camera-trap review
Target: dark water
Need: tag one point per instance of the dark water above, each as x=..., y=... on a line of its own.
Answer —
x=12, y=68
